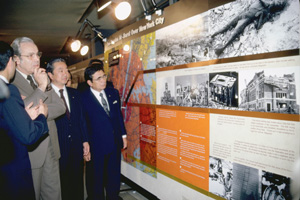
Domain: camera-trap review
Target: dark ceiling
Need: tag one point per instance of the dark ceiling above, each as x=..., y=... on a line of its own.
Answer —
x=53, y=23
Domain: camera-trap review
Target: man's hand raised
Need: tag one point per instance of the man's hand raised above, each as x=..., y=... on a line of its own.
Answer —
x=41, y=78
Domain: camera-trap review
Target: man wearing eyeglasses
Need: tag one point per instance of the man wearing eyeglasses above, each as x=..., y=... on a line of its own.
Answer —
x=32, y=82
x=106, y=135
x=19, y=127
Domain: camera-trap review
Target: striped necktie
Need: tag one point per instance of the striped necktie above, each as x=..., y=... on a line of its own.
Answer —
x=104, y=104
x=31, y=82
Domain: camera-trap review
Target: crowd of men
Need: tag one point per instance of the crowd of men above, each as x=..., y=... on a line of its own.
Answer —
x=48, y=130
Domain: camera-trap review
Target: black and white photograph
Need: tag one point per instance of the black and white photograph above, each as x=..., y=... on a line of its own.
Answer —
x=165, y=91
x=247, y=27
x=246, y=183
x=182, y=42
x=270, y=90
x=192, y=90
x=275, y=186
x=220, y=177
x=223, y=92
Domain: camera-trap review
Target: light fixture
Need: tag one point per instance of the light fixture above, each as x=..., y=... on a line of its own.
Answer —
x=122, y=10
x=148, y=12
x=158, y=12
x=104, y=6
x=75, y=45
x=84, y=50
x=126, y=47
x=148, y=17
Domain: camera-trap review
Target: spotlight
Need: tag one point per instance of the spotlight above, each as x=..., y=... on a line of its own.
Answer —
x=75, y=45
x=148, y=17
x=126, y=47
x=123, y=10
x=84, y=50
x=158, y=12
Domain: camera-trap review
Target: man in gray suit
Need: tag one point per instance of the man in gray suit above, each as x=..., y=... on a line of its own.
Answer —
x=32, y=82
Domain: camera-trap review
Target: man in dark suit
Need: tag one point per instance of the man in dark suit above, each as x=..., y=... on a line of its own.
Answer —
x=32, y=82
x=17, y=130
x=106, y=133
x=72, y=132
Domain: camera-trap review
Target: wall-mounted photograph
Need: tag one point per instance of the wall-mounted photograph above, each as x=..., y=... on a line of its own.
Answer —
x=192, y=90
x=220, y=177
x=246, y=183
x=270, y=90
x=165, y=91
x=223, y=90
x=182, y=42
x=275, y=186
x=247, y=27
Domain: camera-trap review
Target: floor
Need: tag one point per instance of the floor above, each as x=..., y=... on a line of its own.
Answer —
x=128, y=193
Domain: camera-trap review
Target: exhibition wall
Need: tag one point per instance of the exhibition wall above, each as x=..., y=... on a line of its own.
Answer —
x=210, y=95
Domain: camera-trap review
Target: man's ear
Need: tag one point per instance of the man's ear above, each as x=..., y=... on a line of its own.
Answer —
x=89, y=82
x=17, y=60
x=50, y=75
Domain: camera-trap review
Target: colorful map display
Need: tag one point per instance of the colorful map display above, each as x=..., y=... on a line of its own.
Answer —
x=135, y=87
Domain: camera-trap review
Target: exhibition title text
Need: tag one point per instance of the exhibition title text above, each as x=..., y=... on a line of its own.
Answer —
x=141, y=28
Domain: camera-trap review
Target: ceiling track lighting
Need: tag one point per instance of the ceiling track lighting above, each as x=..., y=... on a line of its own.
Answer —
x=148, y=13
x=76, y=44
x=104, y=6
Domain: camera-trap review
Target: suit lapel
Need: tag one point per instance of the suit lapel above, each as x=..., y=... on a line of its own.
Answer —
x=20, y=80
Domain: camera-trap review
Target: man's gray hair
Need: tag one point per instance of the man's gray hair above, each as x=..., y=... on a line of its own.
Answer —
x=17, y=42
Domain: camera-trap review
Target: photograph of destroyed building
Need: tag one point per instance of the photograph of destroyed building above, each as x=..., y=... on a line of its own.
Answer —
x=192, y=91
x=167, y=98
x=182, y=42
x=271, y=93
x=223, y=90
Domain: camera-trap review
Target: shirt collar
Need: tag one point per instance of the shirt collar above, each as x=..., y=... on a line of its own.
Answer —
x=56, y=89
x=4, y=79
x=97, y=93
x=24, y=75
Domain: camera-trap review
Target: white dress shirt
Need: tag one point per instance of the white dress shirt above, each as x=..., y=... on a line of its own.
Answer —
x=25, y=76
x=97, y=95
x=65, y=93
x=4, y=79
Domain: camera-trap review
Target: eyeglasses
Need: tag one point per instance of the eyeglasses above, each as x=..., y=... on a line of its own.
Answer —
x=101, y=77
x=30, y=56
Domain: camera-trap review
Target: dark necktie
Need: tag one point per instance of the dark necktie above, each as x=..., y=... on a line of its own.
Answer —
x=104, y=104
x=61, y=91
x=31, y=82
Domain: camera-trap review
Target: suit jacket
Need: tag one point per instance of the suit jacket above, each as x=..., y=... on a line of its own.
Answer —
x=16, y=131
x=104, y=132
x=56, y=107
x=74, y=128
